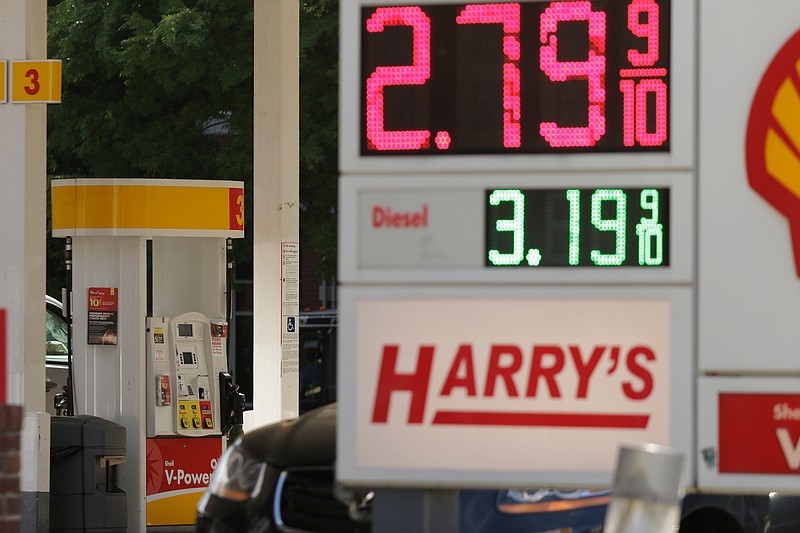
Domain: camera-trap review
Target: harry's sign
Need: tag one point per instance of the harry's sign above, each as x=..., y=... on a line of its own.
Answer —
x=531, y=387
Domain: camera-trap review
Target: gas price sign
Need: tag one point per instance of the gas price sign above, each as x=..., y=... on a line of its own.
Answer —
x=516, y=77
x=604, y=227
x=506, y=170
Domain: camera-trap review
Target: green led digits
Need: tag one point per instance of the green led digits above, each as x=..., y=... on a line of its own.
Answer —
x=574, y=199
x=515, y=225
x=650, y=232
x=615, y=224
x=604, y=227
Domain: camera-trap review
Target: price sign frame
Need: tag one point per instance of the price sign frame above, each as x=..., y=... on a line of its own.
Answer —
x=415, y=226
x=681, y=110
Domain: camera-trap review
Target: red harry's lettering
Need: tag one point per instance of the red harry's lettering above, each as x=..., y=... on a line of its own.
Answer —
x=585, y=370
x=504, y=372
x=467, y=377
x=538, y=369
x=614, y=360
x=639, y=371
x=390, y=381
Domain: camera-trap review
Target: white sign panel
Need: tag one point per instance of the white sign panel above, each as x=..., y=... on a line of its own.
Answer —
x=508, y=390
x=414, y=228
x=749, y=434
x=544, y=227
x=749, y=290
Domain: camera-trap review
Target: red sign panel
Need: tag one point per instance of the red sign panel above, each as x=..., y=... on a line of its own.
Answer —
x=179, y=463
x=102, y=310
x=236, y=209
x=759, y=433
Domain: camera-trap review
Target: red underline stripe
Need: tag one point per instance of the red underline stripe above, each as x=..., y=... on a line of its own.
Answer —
x=565, y=420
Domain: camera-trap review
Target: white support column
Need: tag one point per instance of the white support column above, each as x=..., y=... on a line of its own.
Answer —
x=276, y=202
x=110, y=379
x=23, y=131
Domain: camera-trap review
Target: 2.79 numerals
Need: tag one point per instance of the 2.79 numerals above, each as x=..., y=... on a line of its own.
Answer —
x=641, y=84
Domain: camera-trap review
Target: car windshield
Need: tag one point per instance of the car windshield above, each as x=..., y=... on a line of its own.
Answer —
x=56, y=337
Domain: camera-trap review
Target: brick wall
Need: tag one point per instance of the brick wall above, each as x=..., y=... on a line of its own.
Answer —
x=10, y=426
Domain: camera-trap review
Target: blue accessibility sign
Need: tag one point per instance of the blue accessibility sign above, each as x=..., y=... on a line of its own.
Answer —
x=290, y=324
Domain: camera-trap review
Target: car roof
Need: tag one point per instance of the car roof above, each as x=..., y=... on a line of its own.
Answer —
x=52, y=301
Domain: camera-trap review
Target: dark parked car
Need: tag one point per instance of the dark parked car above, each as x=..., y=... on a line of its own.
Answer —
x=56, y=352
x=280, y=478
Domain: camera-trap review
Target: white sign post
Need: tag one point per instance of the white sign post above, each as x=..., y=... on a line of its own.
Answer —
x=490, y=336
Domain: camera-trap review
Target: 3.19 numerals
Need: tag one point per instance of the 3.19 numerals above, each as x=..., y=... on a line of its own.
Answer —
x=605, y=227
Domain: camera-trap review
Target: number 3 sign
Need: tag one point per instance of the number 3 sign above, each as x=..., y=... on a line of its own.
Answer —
x=36, y=81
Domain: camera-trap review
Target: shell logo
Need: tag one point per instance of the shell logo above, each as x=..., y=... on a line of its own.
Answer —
x=773, y=138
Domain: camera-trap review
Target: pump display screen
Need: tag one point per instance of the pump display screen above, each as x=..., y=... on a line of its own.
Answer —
x=188, y=358
x=515, y=77
x=604, y=227
x=185, y=330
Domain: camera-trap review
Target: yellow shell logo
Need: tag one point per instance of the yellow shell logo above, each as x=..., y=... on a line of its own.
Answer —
x=773, y=138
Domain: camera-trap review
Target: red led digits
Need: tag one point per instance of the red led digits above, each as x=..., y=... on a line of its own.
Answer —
x=508, y=16
x=648, y=30
x=635, y=94
x=593, y=70
x=628, y=88
x=442, y=140
x=441, y=78
x=659, y=88
x=416, y=74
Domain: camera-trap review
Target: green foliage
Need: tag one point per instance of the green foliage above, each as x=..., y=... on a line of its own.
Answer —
x=164, y=88
x=144, y=85
x=319, y=105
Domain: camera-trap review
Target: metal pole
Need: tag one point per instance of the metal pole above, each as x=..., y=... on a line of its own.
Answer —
x=647, y=491
x=67, y=307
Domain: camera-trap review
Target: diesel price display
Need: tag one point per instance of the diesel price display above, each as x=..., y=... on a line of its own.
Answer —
x=605, y=227
x=516, y=77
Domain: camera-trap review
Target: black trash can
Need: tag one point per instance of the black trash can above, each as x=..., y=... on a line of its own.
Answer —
x=84, y=454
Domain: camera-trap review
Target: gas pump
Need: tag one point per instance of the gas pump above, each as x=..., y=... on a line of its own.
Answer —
x=184, y=354
x=150, y=325
x=186, y=404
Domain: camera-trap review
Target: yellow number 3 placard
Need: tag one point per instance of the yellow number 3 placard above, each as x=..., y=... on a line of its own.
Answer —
x=36, y=81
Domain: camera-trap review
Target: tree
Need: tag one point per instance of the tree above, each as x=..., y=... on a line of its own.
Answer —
x=165, y=89
x=153, y=88
x=319, y=106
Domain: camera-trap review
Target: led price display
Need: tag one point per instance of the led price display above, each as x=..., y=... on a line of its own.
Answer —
x=521, y=77
x=604, y=227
